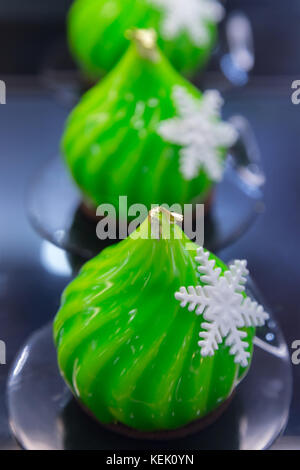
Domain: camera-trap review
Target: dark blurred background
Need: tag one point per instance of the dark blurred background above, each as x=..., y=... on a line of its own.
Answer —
x=32, y=32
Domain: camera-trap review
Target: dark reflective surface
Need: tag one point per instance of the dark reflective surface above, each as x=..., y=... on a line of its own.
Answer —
x=43, y=414
x=30, y=293
x=31, y=126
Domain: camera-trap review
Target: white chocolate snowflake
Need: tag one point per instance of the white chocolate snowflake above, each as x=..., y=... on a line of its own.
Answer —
x=200, y=132
x=223, y=307
x=190, y=16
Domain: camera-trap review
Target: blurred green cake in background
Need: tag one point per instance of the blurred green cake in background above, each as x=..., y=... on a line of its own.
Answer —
x=146, y=133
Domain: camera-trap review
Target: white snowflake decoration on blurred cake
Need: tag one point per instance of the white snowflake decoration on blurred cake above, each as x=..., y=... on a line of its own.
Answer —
x=223, y=306
x=200, y=132
x=190, y=16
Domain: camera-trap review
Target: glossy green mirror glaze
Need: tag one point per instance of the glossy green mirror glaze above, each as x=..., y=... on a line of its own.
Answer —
x=96, y=30
x=112, y=143
x=126, y=348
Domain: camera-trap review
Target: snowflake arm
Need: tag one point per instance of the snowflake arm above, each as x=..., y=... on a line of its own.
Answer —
x=214, y=10
x=225, y=135
x=212, y=103
x=186, y=104
x=189, y=163
x=219, y=328
x=237, y=275
x=193, y=297
x=211, y=339
x=193, y=19
x=171, y=130
x=235, y=340
x=209, y=274
x=253, y=314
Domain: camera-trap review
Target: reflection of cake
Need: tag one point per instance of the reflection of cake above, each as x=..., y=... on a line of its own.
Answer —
x=186, y=29
x=146, y=133
x=139, y=348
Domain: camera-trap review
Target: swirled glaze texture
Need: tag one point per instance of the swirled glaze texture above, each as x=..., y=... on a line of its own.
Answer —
x=112, y=144
x=96, y=31
x=126, y=348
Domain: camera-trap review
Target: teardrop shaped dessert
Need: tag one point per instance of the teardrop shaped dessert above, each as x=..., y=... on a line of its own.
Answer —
x=155, y=333
x=186, y=31
x=146, y=133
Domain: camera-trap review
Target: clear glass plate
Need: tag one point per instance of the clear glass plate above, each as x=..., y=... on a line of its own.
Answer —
x=43, y=414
